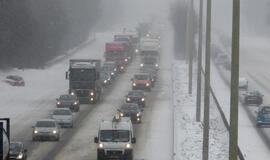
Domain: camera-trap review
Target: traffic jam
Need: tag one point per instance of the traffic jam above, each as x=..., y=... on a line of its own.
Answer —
x=88, y=79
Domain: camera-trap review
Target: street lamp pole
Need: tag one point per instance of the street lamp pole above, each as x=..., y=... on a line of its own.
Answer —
x=207, y=83
x=233, y=144
x=199, y=67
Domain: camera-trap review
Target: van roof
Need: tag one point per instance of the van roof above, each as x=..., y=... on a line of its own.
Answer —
x=123, y=124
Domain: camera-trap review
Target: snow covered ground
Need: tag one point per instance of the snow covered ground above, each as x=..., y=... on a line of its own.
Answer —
x=188, y=132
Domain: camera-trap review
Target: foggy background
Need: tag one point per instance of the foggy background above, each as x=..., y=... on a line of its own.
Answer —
x=35, y=31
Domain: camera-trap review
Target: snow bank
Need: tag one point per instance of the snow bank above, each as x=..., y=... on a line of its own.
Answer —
x=188, y=132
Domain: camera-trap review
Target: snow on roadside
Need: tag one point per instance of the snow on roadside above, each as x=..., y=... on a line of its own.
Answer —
x=188, y=132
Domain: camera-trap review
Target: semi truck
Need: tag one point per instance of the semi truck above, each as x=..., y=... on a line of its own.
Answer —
x=84, y=82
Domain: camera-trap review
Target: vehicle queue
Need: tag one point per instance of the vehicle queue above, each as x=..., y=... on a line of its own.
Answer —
x=87, y=80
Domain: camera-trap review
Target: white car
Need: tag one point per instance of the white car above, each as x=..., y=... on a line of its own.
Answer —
x=243, y=83
x=63, y=116
x=46, y=129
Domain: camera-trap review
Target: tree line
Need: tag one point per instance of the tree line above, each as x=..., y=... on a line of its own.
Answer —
x=35, y=31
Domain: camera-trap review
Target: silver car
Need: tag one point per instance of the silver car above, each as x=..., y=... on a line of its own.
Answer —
x=63, y=116
x=46, y=129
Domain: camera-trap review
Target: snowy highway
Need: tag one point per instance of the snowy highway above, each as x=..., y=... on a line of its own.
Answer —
x=253, y=141
x=26, y=105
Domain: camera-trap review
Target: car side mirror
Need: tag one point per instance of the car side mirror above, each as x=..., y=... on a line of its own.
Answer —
x=142, y=110
x=131, y=79
x=96, y=139
x=118, y=110
x=32, y=126
x=133, y=140
x=56, y=99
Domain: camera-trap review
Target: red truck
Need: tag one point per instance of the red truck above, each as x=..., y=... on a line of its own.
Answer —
x=117, y=52
x=128, y=41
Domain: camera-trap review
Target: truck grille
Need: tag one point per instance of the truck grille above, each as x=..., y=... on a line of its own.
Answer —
x=114, y=153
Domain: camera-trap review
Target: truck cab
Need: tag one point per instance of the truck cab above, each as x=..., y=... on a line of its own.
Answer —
x=83, y=76
x=115, y=139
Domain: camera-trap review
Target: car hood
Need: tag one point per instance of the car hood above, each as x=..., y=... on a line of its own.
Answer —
x=115, y=145
x=14, y=153
x=141, y=81
x=45, y=129
x=125, y=111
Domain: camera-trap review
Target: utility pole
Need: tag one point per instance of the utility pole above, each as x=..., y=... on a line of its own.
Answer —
x=190, y=45
x=207, y=84
x=233, y=150
x=199, y=67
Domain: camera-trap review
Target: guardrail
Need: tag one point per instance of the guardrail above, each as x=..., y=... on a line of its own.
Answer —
x=223, y=117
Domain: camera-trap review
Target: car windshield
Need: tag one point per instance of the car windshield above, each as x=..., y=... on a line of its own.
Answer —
x=45, y=124
x=266, y=110
x=149, y=53
x=15, y=147
x=61, y=112
x=253, y=93
x=114, y=136
x=129, y=107
x=67, y=97
x=135, y=93
x=141, y=77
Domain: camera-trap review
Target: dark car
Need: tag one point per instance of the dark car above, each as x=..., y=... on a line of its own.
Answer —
x=110, y=68
x=152, y=72
x=105, y=78
x=17, y=151
x=131, y=110
x=68, y=100
x=136, y=96
x=15, y=80
x=252, y=97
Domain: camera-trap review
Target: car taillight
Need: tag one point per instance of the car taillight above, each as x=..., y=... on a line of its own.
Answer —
x=246, y=97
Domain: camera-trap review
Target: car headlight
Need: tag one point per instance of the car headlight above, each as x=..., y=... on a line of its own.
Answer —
x=138, y=114
x=121, y=114
x=126, y=60
x=35, y=131
x=115, y=69
x=156, y=65
x=128, y=99
x=54, y=131
x=134, y=84
x=20, y=156
x=105, y=81
x=141, y=65
x=72, y=93
x=122, y=67
x=136, y=50
x=101, y=145
x=58, y=103
x=92, y=94
x=138, y=119
x=143, y=99
x=112, y=73
x=147, y=84
x=91, y=99
x=75, y=103
x=128, y=145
